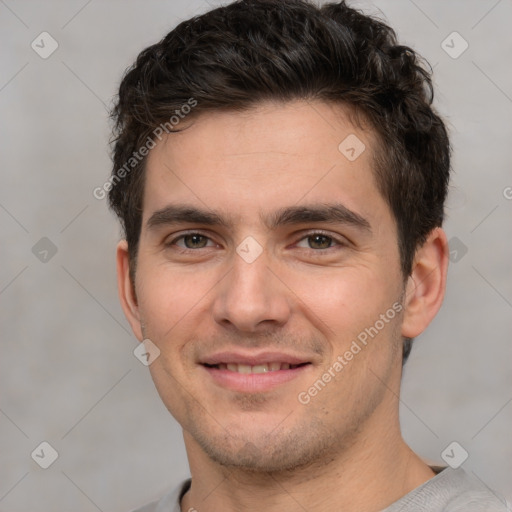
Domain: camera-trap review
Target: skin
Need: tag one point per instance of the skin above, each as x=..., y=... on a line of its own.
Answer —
x=311, y=296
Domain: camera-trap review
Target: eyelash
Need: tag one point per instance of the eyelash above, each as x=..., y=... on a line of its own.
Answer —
x=334, y=240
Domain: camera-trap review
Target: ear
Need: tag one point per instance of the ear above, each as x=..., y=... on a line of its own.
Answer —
x=126, y=290
x=426, y=284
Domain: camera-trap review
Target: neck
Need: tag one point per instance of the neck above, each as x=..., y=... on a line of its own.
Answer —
x=367, y=475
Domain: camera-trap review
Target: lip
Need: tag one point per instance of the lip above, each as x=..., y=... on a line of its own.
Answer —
x=254, y=359
x=254, y=382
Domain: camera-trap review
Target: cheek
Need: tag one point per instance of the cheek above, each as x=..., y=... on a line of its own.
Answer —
x=345, y=300
x=358, y=313
x=166, y=296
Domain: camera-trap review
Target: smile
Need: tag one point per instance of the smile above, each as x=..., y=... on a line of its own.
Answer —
x=258, y=368
x=254, y=373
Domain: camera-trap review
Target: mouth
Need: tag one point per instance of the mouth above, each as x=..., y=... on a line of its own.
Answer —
x=251, y=374
x=257, y=368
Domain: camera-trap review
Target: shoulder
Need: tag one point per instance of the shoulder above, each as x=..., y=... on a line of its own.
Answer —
x=451, y=490
x=170, y=502
x=475, y=496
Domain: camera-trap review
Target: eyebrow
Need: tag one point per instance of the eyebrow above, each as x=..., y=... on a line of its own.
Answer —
x=331, y=213
x=335, y=213
x=176, y=214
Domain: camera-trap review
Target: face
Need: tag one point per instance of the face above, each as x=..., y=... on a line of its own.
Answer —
x=266, y=258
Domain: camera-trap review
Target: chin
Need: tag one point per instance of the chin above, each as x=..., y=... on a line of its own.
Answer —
x=267, y=452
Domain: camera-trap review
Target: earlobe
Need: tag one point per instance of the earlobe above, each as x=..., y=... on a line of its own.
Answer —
x=126, y=290
x=426, y=284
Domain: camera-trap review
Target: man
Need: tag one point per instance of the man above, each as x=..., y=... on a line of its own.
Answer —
x=280, y=176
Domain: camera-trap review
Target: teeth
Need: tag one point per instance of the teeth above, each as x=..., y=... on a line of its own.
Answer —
x=259, y=368
x=244, y=368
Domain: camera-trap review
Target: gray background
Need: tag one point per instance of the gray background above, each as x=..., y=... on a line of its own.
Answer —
x=68, y=373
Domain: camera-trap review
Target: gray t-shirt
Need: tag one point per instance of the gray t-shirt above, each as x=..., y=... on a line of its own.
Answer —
x=451, y=490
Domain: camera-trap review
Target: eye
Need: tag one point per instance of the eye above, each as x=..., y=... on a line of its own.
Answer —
x=318, y=241
x=192, y=241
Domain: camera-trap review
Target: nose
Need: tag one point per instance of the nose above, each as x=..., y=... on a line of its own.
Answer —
x=251, y=298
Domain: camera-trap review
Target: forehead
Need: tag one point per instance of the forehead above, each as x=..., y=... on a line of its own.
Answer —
x=273, y=155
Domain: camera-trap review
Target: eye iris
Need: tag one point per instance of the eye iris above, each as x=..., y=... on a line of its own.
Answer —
x=319, y=242
x=194, y=241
